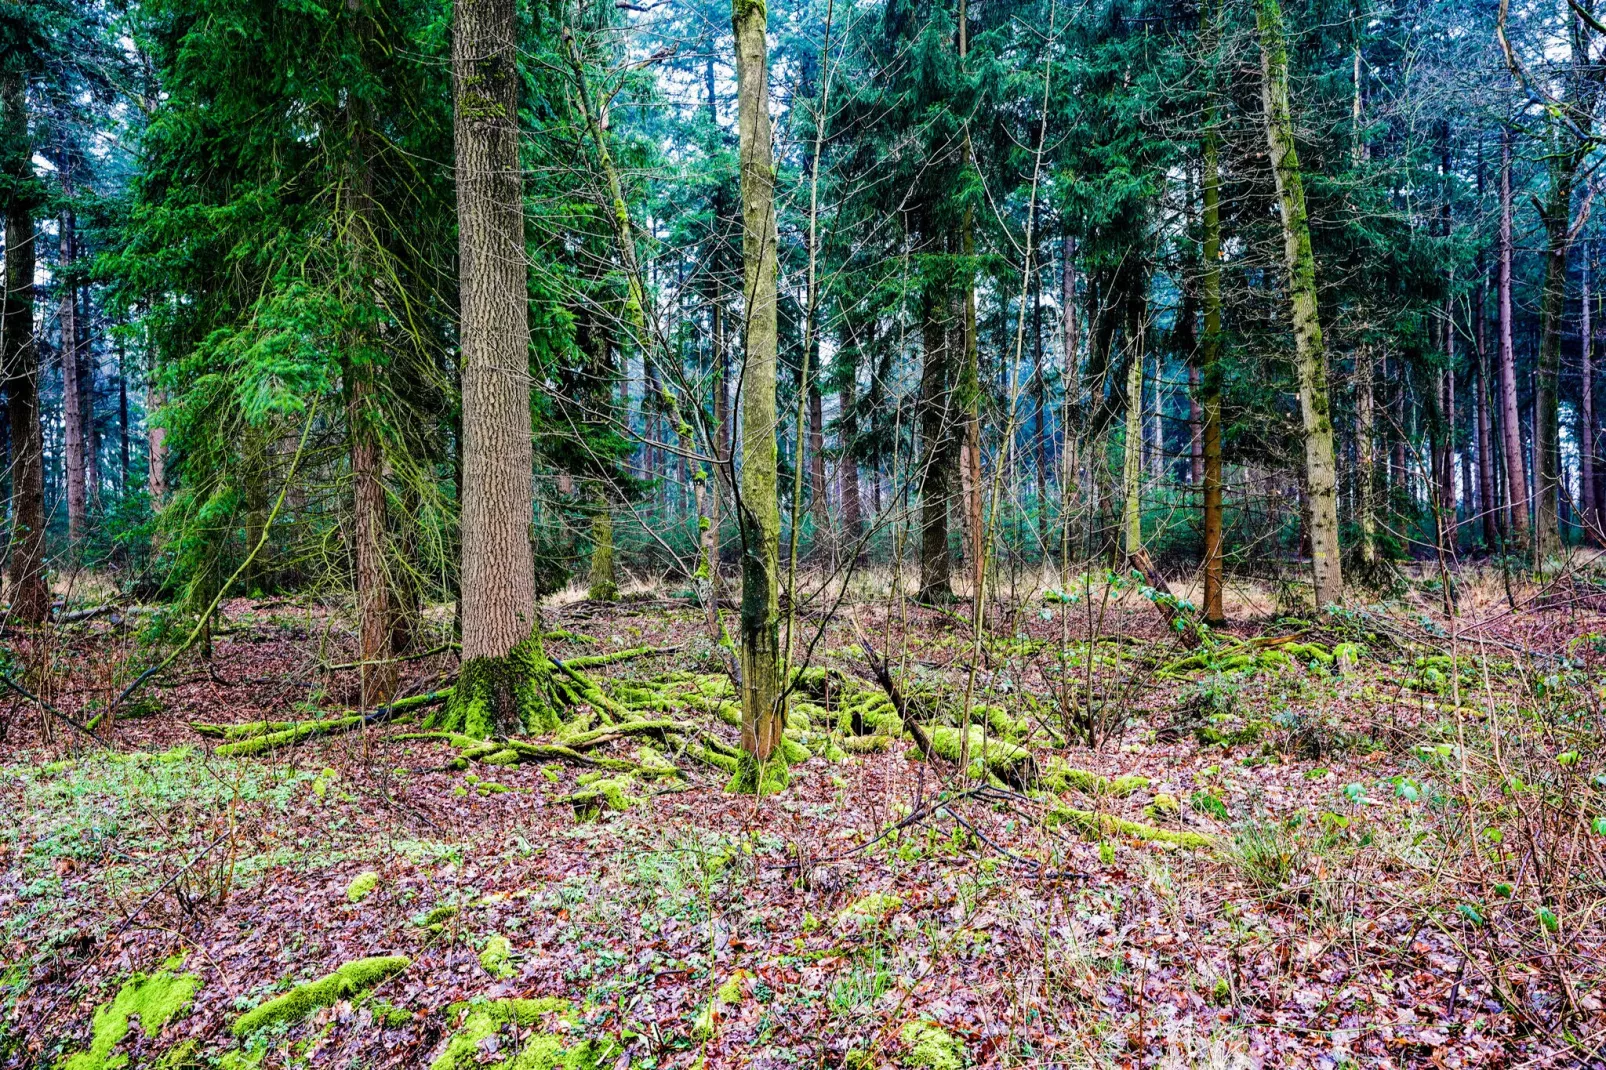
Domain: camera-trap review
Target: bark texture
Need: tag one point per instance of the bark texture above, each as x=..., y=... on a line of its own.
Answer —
x=1210, y=365
x=758, y=509
x=30, y=598
x=1321, y=476
x=1516, y=477
x=500, y=689
x=72, y=416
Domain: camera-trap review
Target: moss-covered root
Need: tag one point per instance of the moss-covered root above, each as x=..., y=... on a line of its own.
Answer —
x=543, y=1051
x=1057, y=776
x=1105, y=825
x=155, y=999
x=989, y=756
x=503, y=696
x=598, y=793
x=349, y=980
x=254, y=737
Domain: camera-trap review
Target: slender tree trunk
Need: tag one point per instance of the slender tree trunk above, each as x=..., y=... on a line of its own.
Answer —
x=1195, y=429
x=763, y=711
x=1321, y=475
x=155, y=447
x=72, y=416
x=1132, y=454
x=122, y=417
x=374, y=612
x=936, y=438
x=500, y=688
x=1366, y=453
x=1516, y=479
x=1586, y=411
x=1210, y=371
x=722, y=453
x=847, y=433
x=1547, y=382
x=818, y=502
x=30, y=597
x=88, y=372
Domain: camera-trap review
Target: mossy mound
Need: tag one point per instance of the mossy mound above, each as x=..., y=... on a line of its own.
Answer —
x=990, y=757
x=543, y=1051
x=155, y=999
x=362, y=886
x=599, y=793
x=931, y=1046
x=352, y=979
x=497, y=958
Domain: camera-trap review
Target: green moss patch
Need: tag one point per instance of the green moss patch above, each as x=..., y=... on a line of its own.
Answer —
x=362, y=886
x=349, y=980
x=931, y=1046
x=497, y=958
x=543, y=1051
x=154, y=999
x=870, y=910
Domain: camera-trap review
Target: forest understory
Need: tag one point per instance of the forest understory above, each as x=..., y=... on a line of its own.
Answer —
x=1366, y=837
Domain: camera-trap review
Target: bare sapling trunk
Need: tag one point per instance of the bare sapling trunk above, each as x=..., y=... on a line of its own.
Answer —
x=758, y=510
x=1516, y=476
x=503, y=687
x=1547, y=379
x=1321, y=476
x=1366, y=454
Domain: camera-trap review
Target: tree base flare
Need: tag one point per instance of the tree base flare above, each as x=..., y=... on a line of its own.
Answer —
x=755, y=778
x=505, y=696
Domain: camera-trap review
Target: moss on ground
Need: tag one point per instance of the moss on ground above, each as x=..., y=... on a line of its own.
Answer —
x=931, y=1046
x=989, y=755
x=497, y=958
x=543, y=1051
x=869, y=910
x=362, y=886
x=152, y=998
x=1057, y=777
x=349, y=980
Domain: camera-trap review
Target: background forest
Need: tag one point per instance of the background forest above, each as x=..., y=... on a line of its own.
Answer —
x=867, y=532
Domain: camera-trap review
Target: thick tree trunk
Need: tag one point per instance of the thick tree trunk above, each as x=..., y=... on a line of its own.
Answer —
x=1210, y=373
x=500, y=689
x=19, y=360
x=1321, y=477
x=1586, y=412
x=848, y=469
x=763, y=708
x=72, y=416
x=1516, y=478
x=155, y=448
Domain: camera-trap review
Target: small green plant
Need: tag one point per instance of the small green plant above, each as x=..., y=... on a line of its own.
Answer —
x=1266, y=854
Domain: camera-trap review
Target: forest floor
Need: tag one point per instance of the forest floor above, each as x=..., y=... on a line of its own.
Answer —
x=1398, y=856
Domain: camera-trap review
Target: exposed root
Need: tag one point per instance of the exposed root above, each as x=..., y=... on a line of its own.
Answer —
x=1107, y=825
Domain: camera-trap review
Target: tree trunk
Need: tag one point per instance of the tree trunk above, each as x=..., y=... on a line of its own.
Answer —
x=72, y=416
x=1321, y=475
x=1132, y=454
x=375, y=619
x=1586, y=413
x=936, y=439
x=1547, y=381
x=19, y=358
x=1516, y=479
x=1366, y=453
x=818, y=502
x=1210, y=372
x=500, y=688
x=848, y=465
x=122, y=418
x=763, y=708
x=155, y=448
x=1195, y=429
